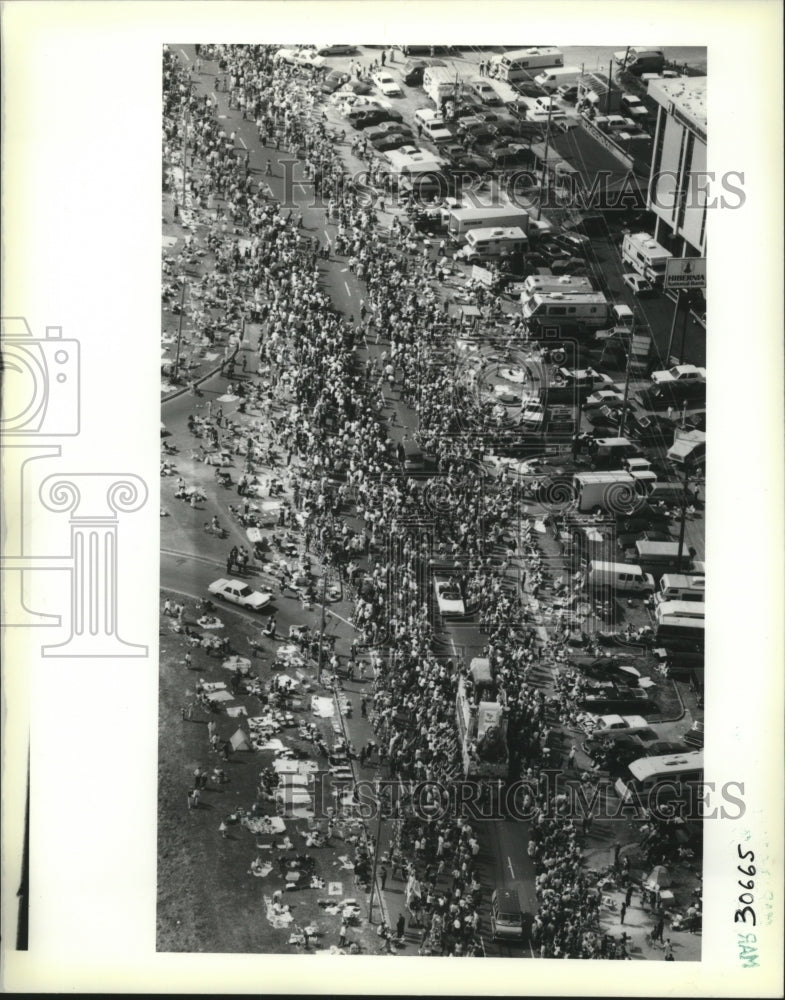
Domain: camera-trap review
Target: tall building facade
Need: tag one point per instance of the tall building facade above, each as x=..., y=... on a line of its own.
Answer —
x=677, y=187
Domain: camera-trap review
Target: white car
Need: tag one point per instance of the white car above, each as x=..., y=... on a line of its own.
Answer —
x=603, y=397
x=286, y=55
x=448, y=597
x=309, y=57
x=541, y=114
x=605, y=722
x=237, y=592
x=505, y=394
x=387, y=85
x=637, y=284
x=679, y=373
x=532, y=412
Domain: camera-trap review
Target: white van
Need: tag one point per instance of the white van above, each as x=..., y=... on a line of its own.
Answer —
x=551, y=79
x=490, y=244
x=619, y=576
x=515, y=65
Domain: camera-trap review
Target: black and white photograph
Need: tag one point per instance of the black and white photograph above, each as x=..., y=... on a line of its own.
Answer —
x=433, y=497
x=438, y=632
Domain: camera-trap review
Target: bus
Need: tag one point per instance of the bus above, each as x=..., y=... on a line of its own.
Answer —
x=515, y=65
x=660, y=776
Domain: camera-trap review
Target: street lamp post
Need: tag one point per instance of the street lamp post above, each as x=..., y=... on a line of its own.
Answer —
x=623, y=420
x=683, y=524
x=321, y=627
x=545, y=159
x=180, y=328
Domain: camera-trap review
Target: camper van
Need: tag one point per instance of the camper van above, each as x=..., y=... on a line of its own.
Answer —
x=490, y=244
x=515, y=65
x=579, y=311
x=618, y=576
x=645, y=256
x=681, y=587
x=551, y=79
x=462, y=220
x=440, y=83
x=666, y=611
x=547, y=283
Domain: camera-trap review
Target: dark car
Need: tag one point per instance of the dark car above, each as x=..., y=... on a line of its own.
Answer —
x=465, y=109
x=508, y=155
x=413, y=70
x=573, y=243
x=453, y=151
x=473, y=163
x=660, y=397
x=572, y=265
x=390, y=140
x=334, y=80
x=651, y=429
x=469, y=122
x=694, y=737
x=479, y=137
x=387, y=128
x=530, y=89
x=504, y=130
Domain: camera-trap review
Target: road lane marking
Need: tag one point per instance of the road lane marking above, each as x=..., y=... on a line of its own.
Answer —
x=509, y=865
x=346, y=286
x=242, y=142
x=344, y=270
x=185, y=54
x=212, y=94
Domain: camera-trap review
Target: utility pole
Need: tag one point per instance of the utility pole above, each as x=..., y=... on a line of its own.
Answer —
x=610, y=86
x=321, y=627
x=376, y=854
x=677, y=307
x=185, y=136
x=180, y=329
x=623, y=421
x=545, y=159
x=683, y=525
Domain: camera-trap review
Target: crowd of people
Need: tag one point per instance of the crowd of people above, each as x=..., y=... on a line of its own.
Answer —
x=351, y=502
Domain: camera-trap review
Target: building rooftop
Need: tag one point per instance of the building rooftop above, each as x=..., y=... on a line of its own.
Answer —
x=686, y=93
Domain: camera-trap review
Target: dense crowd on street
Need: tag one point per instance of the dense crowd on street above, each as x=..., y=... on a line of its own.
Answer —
x=328, y=445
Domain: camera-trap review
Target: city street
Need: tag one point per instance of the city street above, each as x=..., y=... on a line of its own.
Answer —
x=254, y=398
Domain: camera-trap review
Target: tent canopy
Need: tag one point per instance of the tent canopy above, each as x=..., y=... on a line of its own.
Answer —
x=240, y=741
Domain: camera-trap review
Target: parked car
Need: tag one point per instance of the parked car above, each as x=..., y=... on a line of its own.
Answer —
x=357, y=86
x=638, y=285
x=336, y=50
x=334, y=80
x=310, y=57
x=387, y=128
x=485, y=92
x=603, y=397
x=570, y=265
x=413, y=70
x=574, y=243
x=237, y=592
x=679, y=373
x=650, y=428
x=466, y=108
x=568, y=93
x=390, y=140
x=448, y=598
x=473, y=163
x=660, y=397
x=387, y=84
x=694, y=736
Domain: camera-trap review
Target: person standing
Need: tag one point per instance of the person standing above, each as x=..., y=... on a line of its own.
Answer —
x=669, y=951
x=342, y=934
x=383, y=876
x=400, y=927
x=628, y=896
x=622, y=911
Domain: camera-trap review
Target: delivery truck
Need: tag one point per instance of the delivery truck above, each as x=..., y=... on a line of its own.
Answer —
x=440, y=84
